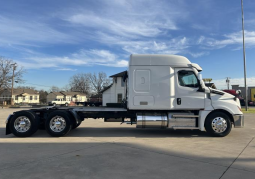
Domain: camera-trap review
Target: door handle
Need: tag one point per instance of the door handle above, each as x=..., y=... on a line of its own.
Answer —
x=179, y=101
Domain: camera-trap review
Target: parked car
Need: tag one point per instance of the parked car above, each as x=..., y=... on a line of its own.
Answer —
x=59, y=102
x=237, y=94
x=251, y=103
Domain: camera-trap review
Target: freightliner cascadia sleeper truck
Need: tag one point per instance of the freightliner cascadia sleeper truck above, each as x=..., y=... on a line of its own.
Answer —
x=162, y=91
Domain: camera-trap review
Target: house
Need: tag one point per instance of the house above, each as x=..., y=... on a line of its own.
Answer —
x=67, y=96
x=54, y=95
x=115, y=93
x=28, y=96
x=74, y=96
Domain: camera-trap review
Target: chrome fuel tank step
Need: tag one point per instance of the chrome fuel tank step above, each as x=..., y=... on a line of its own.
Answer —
x=182, y=120
x=151, y=120
x=166, y=120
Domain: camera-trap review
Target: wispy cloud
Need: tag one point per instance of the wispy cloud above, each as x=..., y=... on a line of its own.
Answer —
x=125, y=28
x=199, y=27
x=30, y=33
x=199, y=54
x=66, y=69
x=150, y=47
x=173, y=46
x=130, y=46
x=122, y=27
x=130, y=26
x=131, y=20
x=82, y=58
x=228, y=39
x=221, y=83
x=200, y=40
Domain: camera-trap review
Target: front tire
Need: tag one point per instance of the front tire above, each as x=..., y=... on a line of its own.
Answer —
x=58, y=123
x=24, y=123
x=218, y=124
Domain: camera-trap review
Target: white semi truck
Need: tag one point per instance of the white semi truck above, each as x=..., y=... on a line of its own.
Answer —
x=162, y=91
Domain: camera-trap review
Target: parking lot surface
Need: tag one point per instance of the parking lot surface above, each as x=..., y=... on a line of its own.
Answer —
x=110, y=150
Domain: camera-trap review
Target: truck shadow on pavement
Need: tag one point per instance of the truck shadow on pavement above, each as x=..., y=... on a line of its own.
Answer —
x=119, y=132
x=133, y=132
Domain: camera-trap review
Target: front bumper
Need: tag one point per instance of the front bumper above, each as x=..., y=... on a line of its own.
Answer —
x=238, y=120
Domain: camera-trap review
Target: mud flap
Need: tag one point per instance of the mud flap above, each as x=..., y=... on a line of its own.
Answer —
x=7, y=129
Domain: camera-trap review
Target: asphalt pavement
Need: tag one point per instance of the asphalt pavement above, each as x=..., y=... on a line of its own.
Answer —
x=110, y=150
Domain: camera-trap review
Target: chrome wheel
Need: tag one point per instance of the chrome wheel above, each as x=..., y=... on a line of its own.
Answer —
x=219, y=124
x=22, y=124
x=57, y=124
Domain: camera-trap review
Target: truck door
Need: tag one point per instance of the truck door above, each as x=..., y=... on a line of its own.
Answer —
x=187, y=95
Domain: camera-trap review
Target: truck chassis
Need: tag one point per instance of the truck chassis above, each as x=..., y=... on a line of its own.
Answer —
x=58, y=121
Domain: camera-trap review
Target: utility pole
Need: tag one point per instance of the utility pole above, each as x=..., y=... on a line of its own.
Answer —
x=244, y=62
x=14, y=67
x=228, y=81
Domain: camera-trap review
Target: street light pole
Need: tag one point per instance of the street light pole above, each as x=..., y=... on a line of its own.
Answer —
x=14, y=67
x=244, y=62
x=228, y=81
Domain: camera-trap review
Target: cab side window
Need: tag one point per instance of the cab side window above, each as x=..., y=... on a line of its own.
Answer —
x=187, y=79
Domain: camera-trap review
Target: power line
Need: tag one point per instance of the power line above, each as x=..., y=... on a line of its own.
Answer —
x=38, y=85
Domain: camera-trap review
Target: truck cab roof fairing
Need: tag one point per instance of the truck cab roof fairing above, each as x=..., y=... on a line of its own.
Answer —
x=159, y=60
x=199, y=69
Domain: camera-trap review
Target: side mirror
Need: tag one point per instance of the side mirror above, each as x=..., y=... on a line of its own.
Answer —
x=201, y=82
x=200, y=76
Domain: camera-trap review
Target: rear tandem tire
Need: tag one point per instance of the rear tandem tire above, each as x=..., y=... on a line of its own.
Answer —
x=31, y=123
x=58, y=123
x=218, y=124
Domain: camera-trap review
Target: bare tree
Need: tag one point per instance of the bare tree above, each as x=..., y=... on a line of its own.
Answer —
x=66, y=88
x=89, y=83
x=43, y=96
x=98, y=81
x=80, y=82
x=6, y=73
x=54, y=89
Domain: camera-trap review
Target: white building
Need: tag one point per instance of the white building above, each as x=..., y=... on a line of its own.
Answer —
x=54, y=95
x=74, y=96
x=28, y=96
x=115, y=93
x=67, y=96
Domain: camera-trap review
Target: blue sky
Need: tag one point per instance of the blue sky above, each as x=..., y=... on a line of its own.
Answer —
x=54, y=40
